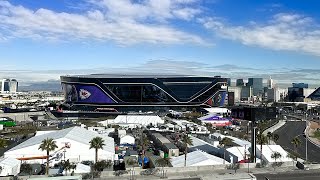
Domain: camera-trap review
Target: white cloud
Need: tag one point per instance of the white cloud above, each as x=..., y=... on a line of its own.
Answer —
x=291, y=32
x=282, y=76
x=153, y=10
x=120, y=21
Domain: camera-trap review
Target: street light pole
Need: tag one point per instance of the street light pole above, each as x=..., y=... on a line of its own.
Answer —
x=306, y=131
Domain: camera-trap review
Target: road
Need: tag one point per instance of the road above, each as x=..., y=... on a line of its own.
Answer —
x=292, y=129
x=298, y=175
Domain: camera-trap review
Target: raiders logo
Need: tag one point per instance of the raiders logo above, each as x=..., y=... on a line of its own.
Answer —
x=84, y=94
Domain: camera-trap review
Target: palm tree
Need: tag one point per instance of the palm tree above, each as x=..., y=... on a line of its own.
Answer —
x=3, y=143
x=96, y=143
x=66, y=166
x=48, y=145
x=296, y=142
x=163, y=162
x=223, y=143
x=132, y=162
x=269, y=136
x=186, y=141
x=226, y=142
x=275, y=137
x=262, y=139
x=144, y=142
x=294, y=156
x=275, y=156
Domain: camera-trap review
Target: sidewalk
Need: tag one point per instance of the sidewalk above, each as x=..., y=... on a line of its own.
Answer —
x=274, y=127
x=218, y=174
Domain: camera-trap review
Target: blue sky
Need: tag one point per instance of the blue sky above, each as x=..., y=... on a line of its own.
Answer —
x=40, y=40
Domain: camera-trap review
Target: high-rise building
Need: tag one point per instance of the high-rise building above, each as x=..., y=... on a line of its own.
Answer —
x=228, y=81
x=239, y=82
x=235, y=93
x=300, y=85
x=298, y=92
x=5, y=85
x=8, y=85
x=256, y=84
x=270, y=83
x=246, y=92
x=13, y=85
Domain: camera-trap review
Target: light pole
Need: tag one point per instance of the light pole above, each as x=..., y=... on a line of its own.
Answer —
x=306, y=131
x=245, y=156
x=64, y=154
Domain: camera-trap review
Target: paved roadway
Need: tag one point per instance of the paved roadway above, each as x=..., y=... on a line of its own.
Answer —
x=298, y=175
x=292, y=129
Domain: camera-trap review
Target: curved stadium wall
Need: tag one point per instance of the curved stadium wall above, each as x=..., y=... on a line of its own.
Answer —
x=124, y=91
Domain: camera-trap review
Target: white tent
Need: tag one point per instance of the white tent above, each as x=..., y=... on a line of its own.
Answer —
x=199, y=144
x=9, y=166
x=137, y=120
x=197, y=158
x=238, y=153
x=127, y=139
x=268, y=150
x=81, y=168
x=73, y=144
x=217, y=110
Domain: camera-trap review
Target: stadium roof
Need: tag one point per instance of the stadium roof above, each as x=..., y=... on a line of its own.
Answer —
x=197, y=158
x=136, y=76
x=77, y=134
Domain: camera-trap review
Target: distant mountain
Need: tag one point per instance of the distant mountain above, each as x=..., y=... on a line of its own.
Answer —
x=51, y=85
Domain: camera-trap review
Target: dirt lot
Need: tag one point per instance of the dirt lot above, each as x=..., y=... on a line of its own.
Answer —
x=314, y=125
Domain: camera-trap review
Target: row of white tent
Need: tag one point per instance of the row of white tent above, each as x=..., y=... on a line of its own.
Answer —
x=203, y=153
x=133, y=121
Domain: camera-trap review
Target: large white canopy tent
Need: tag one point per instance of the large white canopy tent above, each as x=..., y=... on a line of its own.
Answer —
x=197, y=158
x=73, y=144
x=137, y=120
x=9, y=166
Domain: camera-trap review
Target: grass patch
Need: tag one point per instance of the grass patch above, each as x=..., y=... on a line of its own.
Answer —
x=316, y=134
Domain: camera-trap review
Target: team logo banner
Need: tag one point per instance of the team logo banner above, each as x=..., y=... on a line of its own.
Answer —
x=84, y=94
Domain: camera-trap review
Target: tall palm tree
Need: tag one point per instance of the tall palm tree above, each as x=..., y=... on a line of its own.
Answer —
x=48, y=145
x=275, y=137
x=269, y=136
x=163, y=162
x=186, y=140
x=296, y=142
x=96, y=143
x=275, y=156
x=262, y=139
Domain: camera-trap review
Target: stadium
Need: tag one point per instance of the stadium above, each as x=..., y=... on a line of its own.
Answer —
x=142, y=92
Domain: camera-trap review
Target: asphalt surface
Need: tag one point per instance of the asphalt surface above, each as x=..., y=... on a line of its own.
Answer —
x=296, y=128
x=299, y=175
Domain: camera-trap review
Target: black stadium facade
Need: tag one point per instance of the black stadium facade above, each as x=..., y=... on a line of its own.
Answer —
x=142, y=92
